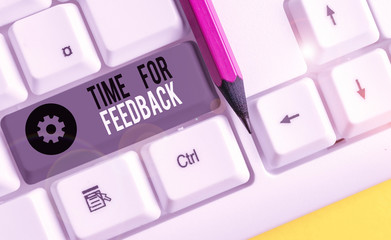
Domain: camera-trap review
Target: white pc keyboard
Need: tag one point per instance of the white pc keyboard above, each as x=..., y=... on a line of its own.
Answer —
x=111, y=128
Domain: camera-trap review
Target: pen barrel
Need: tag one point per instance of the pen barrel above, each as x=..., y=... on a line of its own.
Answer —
x=216, y=41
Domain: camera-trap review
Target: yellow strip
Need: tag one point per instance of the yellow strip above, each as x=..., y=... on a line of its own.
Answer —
x=363, y=216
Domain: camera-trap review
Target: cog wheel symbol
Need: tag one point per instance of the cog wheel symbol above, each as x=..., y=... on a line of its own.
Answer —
x=51, y=129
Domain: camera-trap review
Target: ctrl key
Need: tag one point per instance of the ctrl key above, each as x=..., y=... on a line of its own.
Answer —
x=196, y=163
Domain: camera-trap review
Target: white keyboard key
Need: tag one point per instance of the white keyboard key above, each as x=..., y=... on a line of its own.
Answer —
x=29, y=217
x=107, y=199
x=259, y=29
x=54, y=48
x=381, y=10
x=358, y=93
x=333, y=28
x=195, y=163
x=12, y=90
x=127, y=29
x=9, y=181
x=11, y=10
x=294, y=127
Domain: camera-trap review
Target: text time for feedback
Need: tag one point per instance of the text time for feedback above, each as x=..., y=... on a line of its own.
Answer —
x=132, y=111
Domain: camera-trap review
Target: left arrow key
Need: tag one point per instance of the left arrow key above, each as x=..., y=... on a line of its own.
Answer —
x=288, y=119
x=309, y=131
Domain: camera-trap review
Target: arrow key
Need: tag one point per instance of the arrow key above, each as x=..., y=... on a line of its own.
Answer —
x=333, y=28
x=295, y=127
x=287, y=119
x=358, y=93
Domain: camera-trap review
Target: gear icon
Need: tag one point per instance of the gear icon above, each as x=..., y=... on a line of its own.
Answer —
x=51, y=129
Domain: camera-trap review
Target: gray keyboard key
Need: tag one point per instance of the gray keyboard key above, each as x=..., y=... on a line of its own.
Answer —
x=109, y=113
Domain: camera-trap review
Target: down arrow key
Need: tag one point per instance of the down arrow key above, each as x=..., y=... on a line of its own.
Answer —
x=360, y=91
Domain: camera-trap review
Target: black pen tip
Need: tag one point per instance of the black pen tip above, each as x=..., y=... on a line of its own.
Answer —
x=235, y=96
x=247, y=124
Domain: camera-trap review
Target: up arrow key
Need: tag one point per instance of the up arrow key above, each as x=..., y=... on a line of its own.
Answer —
x=330, y=29
x=330, y=13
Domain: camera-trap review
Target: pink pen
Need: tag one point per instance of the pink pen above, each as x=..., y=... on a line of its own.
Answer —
x=216, y=51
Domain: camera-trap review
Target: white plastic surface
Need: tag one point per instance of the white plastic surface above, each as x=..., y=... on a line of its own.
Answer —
x=263, y=42
x=54, y=48
x=29, y=217
x=9, y=181
x=272, y=200
x=11, y=10
x=358, y=93
x=124, y=201
x=291, y=123
x=127, y=29
x=195, y=163
x=381, y=10
x=12, y=90
x=333, y=28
